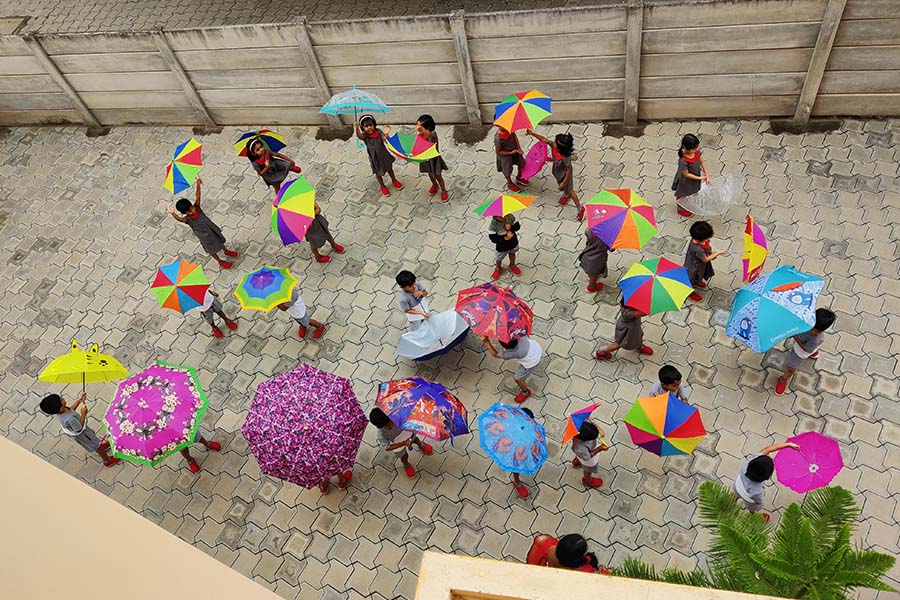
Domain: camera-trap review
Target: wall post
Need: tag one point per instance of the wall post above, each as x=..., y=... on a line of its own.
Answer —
x=175, y=66
x=466, y=74
x=634, y=26
x=312, y=64
x=831, y=20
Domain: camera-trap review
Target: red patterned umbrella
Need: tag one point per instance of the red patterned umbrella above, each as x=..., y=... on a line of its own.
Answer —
x=495, y=312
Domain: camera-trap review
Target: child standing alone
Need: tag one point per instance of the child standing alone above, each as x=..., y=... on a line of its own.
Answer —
x=75, y=425
x=628, y=334
x=509, y=154
x=806, y=345
x=209, y=234
x=502, y=232
x=691, y=172
x=213, y=306
x=699, y=256
x=433, y=166
x=587, y=450
x=561, y=149
x=380, y=159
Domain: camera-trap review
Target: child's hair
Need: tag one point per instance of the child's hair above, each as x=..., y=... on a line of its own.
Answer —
x=760, y=468
x=669, y=375
x=688, y=142
x=572, y=551
x=51, y=404
x=510, y=344
x=249, y=146
x=364, y=118
x=527, y=411
x=565, y=143
x=405, y=278
x=701, y=231
x=427, y=122
x=378, y=418
x=824, y=319
x=588, y=431
x=183, y=205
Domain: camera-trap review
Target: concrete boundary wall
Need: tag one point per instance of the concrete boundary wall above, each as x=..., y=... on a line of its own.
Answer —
x=662, y=59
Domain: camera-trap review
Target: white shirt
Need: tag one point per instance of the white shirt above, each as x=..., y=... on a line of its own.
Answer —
x=208, y=300
x=297, y=309
x=534, y=355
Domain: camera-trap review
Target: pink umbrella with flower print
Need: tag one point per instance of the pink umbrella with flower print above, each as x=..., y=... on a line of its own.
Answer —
x=155, y=413
x=813, y=466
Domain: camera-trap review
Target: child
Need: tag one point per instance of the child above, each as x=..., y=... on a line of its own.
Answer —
x=192, y=463
x=628, y=334
x=525, y=350
x=561, y=149
x=75, y=425
x=433, y=166
x=397, y=440
x=318, y=233
x=298, y=310
x=209, y=234
x=212, y=305
x=273, y=167
x=669, y=381
x=806, y=345
x=691, y=172
x=502, y=231
x=412, y=299
x=593, y=260
x=509, y=154
x=380, y=159
x=750, y=483
x=586, y=449
x=517, y=483
x=343, y=481
x=699, y=257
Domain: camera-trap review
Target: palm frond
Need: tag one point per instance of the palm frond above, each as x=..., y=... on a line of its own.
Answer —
x=876, y=563
x=636, y=569
x=695, y=578
x=737, y=559
x=828, y=509
x=717, y=502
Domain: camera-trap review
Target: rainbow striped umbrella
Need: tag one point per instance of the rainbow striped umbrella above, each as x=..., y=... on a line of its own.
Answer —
x=755, y=251
x=503, y=205
x=293, y=210
x=265, y=288
x=271, y=141
x=180, y=286
x=184, y=167
x=621, y=218
x=655, y=286
x=522, y=110
x=412, y=147
x=665, y=425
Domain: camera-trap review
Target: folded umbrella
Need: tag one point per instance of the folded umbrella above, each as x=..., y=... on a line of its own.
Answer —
x=271, y=141
x=437, y=335
x=83, y=367
x=265, y=288
x=184, y=167
x=576, y=420
x=495, y=312
x=755, y=251
x=665, y=425
x=522, y=110
x=513, y=440
x=655, y=286
x=424, y=407
x=412, y=147
x=504, y=204
x=813, y=466
x=538, y=155
x=293, y=210
x=621, y=218
x=180, y=286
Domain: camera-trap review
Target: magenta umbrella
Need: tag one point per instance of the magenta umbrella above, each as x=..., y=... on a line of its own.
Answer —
x=304, y=426
x=813, y=466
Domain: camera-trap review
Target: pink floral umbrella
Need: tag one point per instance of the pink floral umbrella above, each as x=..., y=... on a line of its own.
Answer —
x=813, y=466
x=155, y=413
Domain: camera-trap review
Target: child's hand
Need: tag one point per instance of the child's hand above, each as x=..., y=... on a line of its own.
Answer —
x=529, y=132
x=213, y=293
x=706, y=179
x=198, y=181
x=562, y=186
x=508, y=236
x=83, y=410
x=484, y=339
x=170, y=209
x=794, y=446
x=82, y=397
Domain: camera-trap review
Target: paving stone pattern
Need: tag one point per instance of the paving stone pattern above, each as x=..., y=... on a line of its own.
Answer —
x=82, y=229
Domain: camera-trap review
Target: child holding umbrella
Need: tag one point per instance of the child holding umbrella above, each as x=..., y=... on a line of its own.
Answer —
x=509, y=155
x=273, y=167
x=425, y=126
x=209, y=234
x=561, y=149
x=380, y=159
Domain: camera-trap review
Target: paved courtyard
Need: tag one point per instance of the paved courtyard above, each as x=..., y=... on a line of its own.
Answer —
x=83, y=227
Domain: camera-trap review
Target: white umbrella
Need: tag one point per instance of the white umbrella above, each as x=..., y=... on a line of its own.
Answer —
x=438, y=334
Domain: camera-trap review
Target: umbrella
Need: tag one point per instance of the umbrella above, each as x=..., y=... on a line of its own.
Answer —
x=716, y=198
x=515, y=441
x=353, y=101
x=503, y=205
x=437, y=335
x=155, y=413
x=293, y=210
x=180, y=286
x=83, y=367
x=304, y=426
x=412, y=147
x=813, y=466
x=621, y=218
x=774, y=307
x=522, y=110
x=422, y=406
x=495, y=312
x=184, y=167
x=271, y=141
x=655, y=286
x=537, y=157
x=665, y=425
x=576, y=420
x=265, y=288
x=755, y=250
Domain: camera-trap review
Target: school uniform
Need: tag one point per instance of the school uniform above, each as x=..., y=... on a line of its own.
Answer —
x=211, y=305
x=395, y=435
x=506, y=163
x=681, y=185
x=560, y=165
x=582, y=450
x=629, y=334
x=528, y=353
x=410, y=302
x=277, y=173
x=657, y=390
x=797, y=355
x=380, y=159
x=318, y=231
x=594, y=256
x=497, y=234
x=698, y=271
x=84, y=436
x=297, y=308
x=752, y=493
x=433, y=166
x=209, y=234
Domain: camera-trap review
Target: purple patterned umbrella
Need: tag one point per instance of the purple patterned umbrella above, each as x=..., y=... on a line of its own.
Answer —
x=155, y=413
x=304, y=426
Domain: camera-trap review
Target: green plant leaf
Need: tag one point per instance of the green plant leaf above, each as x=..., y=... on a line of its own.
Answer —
x=828, y=509
x=717, y=502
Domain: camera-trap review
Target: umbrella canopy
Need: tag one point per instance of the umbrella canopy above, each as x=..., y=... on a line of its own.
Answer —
x=665, y=425
x=293, y=210
x=353, y=101
x=576, y=420
x=304, y=426
x=184, y=167
x=716, y=198
x=538, y=155
x=774, y=307
x=495, y=312
x=412, y=147
x=621, y=218
x=271, y=141
x=522, y=110
x=437, y=335
x=180, y=286
x=813, y=466
x=755, y=251
x=655, y=286
x=504, y=204
x=513, y=440
x=83, y=367
x=155, y=413
x=422, y=406
x=265, y=288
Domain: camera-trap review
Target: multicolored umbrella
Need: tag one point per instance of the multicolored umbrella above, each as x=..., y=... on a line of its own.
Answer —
x=576, y=420
x=813, y=466
x=621, y=218
x=755, y=251
x=412, y=147
x=354, y=101
x=155, y=413
x=304, y=426
x=180, y=286
x=504, y=204
x=184, y=167
x=422, y=406
x=265, y=288
x=655, y=286
x=495, y=312
x=522, y=110
x=513, y=440
x=665, y=425
x=293, y=210
x=83, y=367
x=271, y=141
x=774, y=307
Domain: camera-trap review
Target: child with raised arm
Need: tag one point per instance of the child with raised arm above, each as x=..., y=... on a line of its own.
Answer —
x=209, y=234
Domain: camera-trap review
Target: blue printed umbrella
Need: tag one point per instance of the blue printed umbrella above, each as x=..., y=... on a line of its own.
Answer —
x=422, y=406
x=515, y=441
x=774, y=307
x=353, y=101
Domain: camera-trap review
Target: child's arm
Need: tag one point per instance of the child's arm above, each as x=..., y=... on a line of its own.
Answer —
x=565, y=181
x=78, y=402
x=776, y=447
x=536, y=136
x=198, y=182
x=413, y=311
x=171, y=211
x=713, y=256
x=705, y=172
x=490, y=346
x=83, y=418
x=359, y=133
x=284, y=157
x=407, y=443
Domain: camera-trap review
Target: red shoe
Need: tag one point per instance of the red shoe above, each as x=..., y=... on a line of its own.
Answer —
x=225, y=264
x=646, y=350
x=385, y=191
x=111, y=461
x=701, y=285
x=301, y=331
x=348, y=475
x=433, y=189
x=523, y=396
x=695, y=297
x=105, y=445
x=318, y=332
x=193, y=466
x=338, y=248
x=580, y=213
x=444, y=196
x=323, y=487
x=296, y=169
x=217, y=333
x=214, y=446
x=323, y=258
x=684, y=213
x=495, y=274
x=231, y=253
x=398, y=185
x=576, y=463
x=409, y=470
x=594, y=288
x=563, y=201
x=427, y=449
x=764, y=516
x=780, y=386
x=516, y=270
x=593, y=482
x=814, y=354
x=513, y=187
x=602, y=355
x=523, y=493
x=522, y=181
x=231, y=325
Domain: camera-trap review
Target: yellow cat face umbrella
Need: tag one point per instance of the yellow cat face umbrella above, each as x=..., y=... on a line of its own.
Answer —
x=83, y=367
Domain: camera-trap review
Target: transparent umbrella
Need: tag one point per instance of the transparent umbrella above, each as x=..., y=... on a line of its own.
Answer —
x=716, y=198
x=354, y=101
